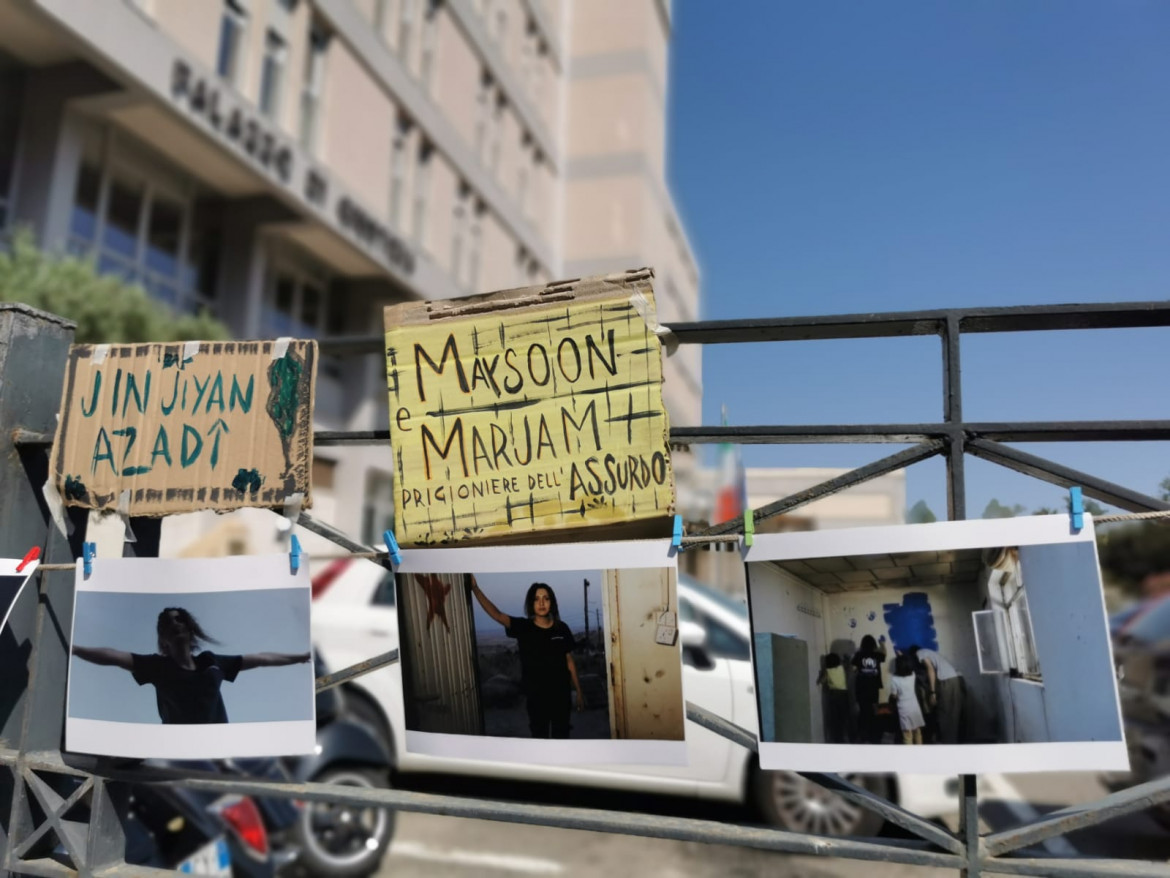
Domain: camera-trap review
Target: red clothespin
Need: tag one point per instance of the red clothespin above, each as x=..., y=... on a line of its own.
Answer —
x=33, y=554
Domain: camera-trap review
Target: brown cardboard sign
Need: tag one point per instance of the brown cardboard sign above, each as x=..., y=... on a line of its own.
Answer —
x=153, y=429
x=530, y=410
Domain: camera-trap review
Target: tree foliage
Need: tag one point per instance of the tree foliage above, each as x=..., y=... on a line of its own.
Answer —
x=920, y=513
x=1127, y=554
x=995, y=509
x=105, y=308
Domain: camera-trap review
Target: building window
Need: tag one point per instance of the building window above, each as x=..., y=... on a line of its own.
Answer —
x=535, y=206
x=1019, y=619
x=146, y=230
x=475, y=239
x=313, y=87
x=483, y=114
x=377, y=507
x=422, y=182
x=522, y=186
x=501, y=30
x=398, y=170
x=232, y=30
x=297, y=302
x=324, y=473
x=1006, y=630
x=497, y=127
x=430, y=39
x=405, y=28
x=521, y=265
x=272, y=74
x=459, y=227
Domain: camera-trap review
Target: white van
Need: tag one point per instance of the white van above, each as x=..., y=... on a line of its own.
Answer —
x=354, y=619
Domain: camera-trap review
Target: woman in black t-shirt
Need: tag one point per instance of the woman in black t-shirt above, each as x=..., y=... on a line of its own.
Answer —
x=186, y=684
x=546, y=658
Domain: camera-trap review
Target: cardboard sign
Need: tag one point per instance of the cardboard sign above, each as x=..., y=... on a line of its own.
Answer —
x=527, y=410
x=153, y=429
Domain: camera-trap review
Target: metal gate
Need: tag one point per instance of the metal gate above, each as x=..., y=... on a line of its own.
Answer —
x=33, y=348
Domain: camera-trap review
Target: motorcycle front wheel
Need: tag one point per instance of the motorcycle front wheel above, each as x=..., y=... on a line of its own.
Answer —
x=344, y=840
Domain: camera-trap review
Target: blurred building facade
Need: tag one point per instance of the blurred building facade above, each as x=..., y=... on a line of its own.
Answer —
x=296, y=165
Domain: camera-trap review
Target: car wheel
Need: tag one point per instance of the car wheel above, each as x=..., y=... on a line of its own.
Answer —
x=362, y=707
x=788, y=801
x=1161, y=814
x=344, y=840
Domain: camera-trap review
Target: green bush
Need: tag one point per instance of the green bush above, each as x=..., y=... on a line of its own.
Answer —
x=105, y=308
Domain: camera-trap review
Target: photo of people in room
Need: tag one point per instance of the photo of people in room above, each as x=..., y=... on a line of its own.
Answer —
x=972, y=645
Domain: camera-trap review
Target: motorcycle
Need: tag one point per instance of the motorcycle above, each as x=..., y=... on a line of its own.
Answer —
x=177, y=828
x=320, y=839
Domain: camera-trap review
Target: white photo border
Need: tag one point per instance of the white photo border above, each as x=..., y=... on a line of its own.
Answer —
x=203, y=740
x=937, y=758
x=627, y=555
x=8, y=568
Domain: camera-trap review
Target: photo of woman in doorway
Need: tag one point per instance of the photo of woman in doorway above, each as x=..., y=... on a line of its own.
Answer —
x=546, y=658
x=187, y=683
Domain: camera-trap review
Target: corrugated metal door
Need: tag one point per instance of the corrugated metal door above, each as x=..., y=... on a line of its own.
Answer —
x=440, y=674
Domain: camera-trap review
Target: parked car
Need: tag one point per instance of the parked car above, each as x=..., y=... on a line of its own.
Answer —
x=1141, y=652
x=354, y=618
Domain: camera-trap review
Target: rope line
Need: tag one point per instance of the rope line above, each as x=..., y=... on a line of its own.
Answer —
x=687, y=540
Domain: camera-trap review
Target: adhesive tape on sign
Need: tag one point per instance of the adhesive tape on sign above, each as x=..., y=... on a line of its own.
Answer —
x=647, y=313
x=100, y=352
x=190, y=349
x=280, y=347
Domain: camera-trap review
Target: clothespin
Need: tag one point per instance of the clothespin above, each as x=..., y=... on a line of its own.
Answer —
x=88, y=552
x=392, y=547
x=749, y=527
x=676, y=537
x=33, y=554
x=1076, y=507
x=294, y=554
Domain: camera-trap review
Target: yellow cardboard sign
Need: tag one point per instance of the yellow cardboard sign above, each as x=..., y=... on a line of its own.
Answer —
x=533, y=409
x=153, y=429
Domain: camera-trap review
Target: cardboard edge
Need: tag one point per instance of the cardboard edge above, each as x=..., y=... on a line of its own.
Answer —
x=84, y=352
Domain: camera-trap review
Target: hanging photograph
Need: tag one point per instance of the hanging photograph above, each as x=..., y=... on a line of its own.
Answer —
x=196, y=658
x=12, y=582
x=538, y=654
x=956, y=647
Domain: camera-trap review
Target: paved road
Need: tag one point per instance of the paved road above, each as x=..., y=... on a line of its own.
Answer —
x=445, y=847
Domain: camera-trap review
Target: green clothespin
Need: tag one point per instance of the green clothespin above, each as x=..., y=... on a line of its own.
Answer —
x=749, y=527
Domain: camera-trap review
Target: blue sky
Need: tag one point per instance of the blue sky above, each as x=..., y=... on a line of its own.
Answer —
x=833, y=158
x=254, y=620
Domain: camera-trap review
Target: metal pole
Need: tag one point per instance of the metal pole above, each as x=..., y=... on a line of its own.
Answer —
x=957, y=511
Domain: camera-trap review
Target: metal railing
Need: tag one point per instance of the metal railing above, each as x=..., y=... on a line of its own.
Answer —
x=95, y=848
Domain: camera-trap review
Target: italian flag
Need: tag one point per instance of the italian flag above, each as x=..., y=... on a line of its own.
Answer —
x=731, y=493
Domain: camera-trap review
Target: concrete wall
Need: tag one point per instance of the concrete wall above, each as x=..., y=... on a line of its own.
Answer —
x=775, y=596
x=361, y=121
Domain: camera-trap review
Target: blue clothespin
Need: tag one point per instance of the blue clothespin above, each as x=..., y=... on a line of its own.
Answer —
x=749, y=527
x=88, y=551
x=676, y=537
x=392, y=547
x=294, y=553
x=1076, y=507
